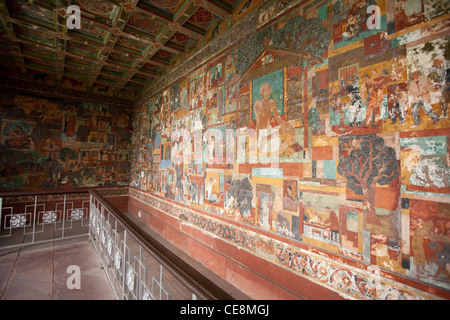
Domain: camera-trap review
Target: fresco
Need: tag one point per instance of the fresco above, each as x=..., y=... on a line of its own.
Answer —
x=336, y=137
x=50, y=143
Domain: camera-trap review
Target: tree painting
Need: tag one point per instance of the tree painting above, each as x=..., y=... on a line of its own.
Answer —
x=307, y=39
x=67, y=154
x=39, y=134
x=431, y=172
x=369, y=164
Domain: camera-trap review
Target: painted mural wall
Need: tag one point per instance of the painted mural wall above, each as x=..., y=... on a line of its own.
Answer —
x=328, y=127
x=51, y=143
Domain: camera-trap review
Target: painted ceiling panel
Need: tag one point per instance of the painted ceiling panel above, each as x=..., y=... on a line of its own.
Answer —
x=125, y=44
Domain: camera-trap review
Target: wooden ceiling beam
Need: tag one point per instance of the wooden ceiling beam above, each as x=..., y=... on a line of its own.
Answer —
x=61, y=32
x=223, y=12
x=11, y=36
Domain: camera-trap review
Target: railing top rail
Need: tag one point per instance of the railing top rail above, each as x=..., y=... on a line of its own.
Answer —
x=20, y=193
x=185, y=273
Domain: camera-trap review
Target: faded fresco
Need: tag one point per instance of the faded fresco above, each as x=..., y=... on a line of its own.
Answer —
x=50, y=143
x=328, y=127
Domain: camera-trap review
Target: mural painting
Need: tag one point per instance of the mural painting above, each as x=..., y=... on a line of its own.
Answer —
x=49, y=143
x=352, y=117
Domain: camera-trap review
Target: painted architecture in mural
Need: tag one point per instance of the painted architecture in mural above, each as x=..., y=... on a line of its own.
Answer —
x=328, y=126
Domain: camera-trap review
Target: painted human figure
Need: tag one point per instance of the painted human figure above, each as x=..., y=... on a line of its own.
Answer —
x=331, y=224
x=336, y=104
x=264, y=109
x=419, y=97
x=398, y=104
x=210, y=195
x=355, y=106
x=210, y=149
x=290, y=201
x=374, y=88
x=355, y=19
x=439, y=76
x=265, y=211
x=179, y=187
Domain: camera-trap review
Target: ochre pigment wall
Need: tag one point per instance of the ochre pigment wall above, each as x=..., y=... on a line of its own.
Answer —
x=53, y=143
x=355, y=198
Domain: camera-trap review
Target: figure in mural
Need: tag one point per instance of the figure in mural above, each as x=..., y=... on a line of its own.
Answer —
x=419, y=97
x=374, y=87
x=179, y=187
x=239, y=197
x=282, y=224
x=355, y=106
x=309, y=212
x=210, y=196
x=70, y=121
x=398, y=102
x=337, y=106
x=331, y=225
x=370, y=164
x=439, y=76
x=265, y=212
x=264, y=109
x=356, y=18
x=290, y=200
x=193, y=192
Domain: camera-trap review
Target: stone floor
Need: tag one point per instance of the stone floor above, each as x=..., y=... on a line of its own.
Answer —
x=40, y=272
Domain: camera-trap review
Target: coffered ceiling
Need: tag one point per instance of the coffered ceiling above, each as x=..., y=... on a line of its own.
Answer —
x=120, y=48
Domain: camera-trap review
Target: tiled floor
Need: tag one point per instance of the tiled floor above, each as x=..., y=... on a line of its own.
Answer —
x=40, y=272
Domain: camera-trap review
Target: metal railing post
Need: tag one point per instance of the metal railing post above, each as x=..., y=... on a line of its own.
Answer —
x=198, y=283
x=34, y=218
x=138, y=293
x=90, y=216
x=124, y=265
x=64, y=215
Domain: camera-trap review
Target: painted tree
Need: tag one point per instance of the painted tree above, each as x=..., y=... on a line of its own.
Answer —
x=431, y=172
x=371, y=164
x=67, y=154
x=53, y=172
x=39, y=134
x=306, y=38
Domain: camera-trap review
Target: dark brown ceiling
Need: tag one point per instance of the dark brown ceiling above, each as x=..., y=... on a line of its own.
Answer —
x=121, y=48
